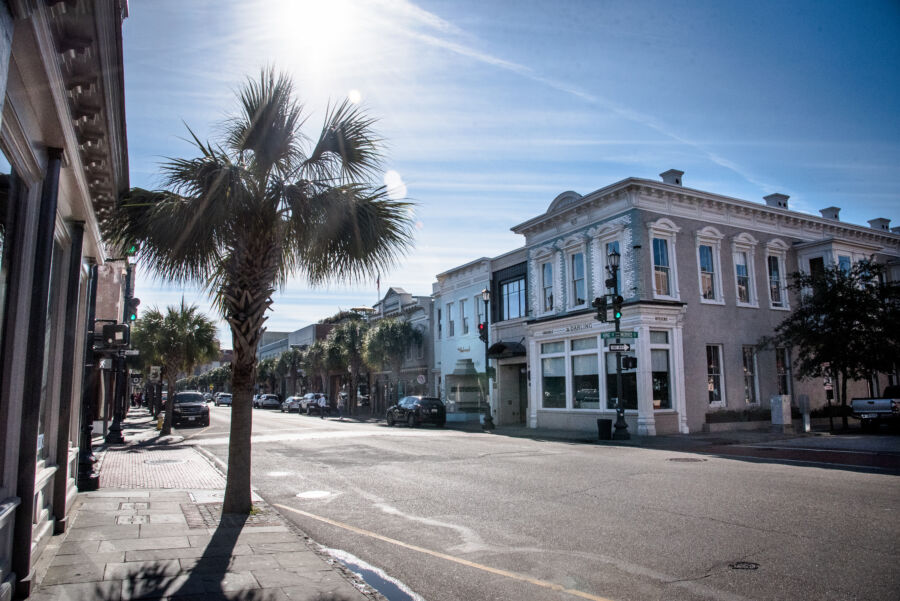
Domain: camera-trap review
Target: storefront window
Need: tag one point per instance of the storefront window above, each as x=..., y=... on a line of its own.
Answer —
x=629, y=383
x=586, y=381
x=553, y=379
x=659, y=358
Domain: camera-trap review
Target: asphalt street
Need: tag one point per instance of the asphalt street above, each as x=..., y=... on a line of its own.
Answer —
x=459, y=516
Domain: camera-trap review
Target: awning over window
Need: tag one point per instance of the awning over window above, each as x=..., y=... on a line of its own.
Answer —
x=505, y=350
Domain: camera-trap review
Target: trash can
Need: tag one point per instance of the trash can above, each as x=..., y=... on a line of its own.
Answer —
x=604, y=429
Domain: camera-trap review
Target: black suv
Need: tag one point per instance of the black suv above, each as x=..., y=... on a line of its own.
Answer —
x=191, y=408
x=418, y=410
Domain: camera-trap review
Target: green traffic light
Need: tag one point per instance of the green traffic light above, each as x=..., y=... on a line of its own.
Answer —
x=618, y=315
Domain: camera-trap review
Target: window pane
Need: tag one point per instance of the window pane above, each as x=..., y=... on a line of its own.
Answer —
x=749, y=364
x=659, y=337
x=743, y=277
x=553, y=347
x=582, y=344
x=586, y=381
x=707, y=273
x=629, y=384
x=774, y=281
x=661, y=266
x=464, y=315
x=513, y=302
x=450, y=324
x=578, y=281
x=844, y=263
x=659, y=367
x=783, y=370
x=547, y=283
x=713, y=374
x=553, y=380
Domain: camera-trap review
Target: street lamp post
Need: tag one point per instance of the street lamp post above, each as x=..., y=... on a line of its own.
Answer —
x=621, y=426
x=488, y=418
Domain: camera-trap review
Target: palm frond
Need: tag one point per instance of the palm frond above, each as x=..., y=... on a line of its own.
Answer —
x=347, y=148
x=345, y=232
x=267, y=131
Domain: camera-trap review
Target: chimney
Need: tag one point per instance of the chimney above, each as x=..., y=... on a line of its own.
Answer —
x=777, y=200
x=831, y=213
x=672, y=176
x=880, y=224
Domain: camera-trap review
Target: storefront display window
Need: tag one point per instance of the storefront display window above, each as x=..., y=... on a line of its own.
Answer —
x=629, y=383
x=553, y=380
x=586, y=381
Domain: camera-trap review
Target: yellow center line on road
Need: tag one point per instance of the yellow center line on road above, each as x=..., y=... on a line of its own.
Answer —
x=459, y=560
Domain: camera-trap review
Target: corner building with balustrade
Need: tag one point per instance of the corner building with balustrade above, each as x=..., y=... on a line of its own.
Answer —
x=703, y=277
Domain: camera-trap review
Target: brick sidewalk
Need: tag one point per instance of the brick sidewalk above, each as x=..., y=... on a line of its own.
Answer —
x=158, y=467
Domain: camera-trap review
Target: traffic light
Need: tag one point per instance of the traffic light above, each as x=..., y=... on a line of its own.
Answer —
x=617, y=307
x=131, y=249
x=600, y=304
x=483, y=332
x=116, y=335
x=131, y=305
x=629, y=362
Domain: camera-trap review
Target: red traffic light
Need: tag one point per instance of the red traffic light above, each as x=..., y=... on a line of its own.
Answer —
x=483, y=332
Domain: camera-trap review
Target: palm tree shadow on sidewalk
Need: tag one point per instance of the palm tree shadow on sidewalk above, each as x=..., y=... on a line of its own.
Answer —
x=205, y=579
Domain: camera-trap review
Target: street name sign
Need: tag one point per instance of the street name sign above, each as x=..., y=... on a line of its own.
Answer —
x=609, y=335
x=620, y=348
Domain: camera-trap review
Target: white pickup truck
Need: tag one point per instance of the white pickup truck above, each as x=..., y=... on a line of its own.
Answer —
x=874, y=411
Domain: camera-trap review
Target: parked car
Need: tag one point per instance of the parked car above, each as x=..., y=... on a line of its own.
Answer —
x=292, y=403
x=268, y=401
x=207, y=398
x=874, y=411
x=224, y=399
x=189, y=407
x=418, y=410
x=309, y=404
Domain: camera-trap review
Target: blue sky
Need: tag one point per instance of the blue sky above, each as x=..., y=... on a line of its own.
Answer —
x=491, y=109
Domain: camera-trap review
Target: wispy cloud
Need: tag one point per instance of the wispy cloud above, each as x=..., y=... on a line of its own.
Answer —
x=467, y=51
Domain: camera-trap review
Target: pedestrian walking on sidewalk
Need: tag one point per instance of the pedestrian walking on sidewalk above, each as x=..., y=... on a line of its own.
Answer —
x=340, y=406
x=323, y=404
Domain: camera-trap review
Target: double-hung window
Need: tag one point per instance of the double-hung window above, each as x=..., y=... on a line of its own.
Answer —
x=464, y=316
x=751, y=392
x=663, y=233
x=547, y=286
x=714, y=375
x=661, y=271
x=613, y=247
x=707, y=273
x=783, y=369
x=776, y=253
x=450, y=324
x=709, y=266
x=743, y=248
x=440, y=324
x=579, y=283
x=742, y=276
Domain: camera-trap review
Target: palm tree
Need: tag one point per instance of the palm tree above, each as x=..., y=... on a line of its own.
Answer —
x=266, y=375
x=181, y=339
x=315, y=362
x=255, y=208
x=387, y=343
x=288, y=364
x=348, y=339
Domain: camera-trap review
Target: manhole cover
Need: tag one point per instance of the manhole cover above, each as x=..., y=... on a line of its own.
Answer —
x=686, y=459
x=743, y=565
x=163, y=461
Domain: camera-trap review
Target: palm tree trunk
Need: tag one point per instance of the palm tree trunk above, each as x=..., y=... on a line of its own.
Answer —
x=237, y=487
x=171, y=372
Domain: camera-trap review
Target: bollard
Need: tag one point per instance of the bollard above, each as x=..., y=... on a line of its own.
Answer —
x=159, y=421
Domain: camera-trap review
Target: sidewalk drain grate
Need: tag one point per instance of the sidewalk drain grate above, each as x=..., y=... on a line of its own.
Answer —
x=743, y=565
x=686, y=459
x=163, y=461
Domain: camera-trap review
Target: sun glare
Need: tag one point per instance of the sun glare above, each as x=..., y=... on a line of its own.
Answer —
x=319, y=35
x=354, y=96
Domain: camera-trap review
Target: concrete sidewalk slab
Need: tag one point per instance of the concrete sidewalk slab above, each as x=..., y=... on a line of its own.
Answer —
x=160, y=534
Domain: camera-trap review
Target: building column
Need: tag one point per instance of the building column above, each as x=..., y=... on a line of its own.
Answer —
x=534, y=369
x=67, y=378
x=22, y=563
x=646, y=420
x=678, y=376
